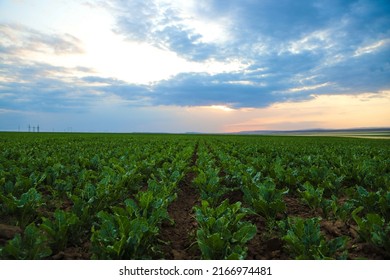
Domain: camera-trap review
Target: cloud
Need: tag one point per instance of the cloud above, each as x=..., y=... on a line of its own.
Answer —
x=41, y=87
x=18, y=39
x=286, y=51
x=292, y=40
x=33, y=86
x=177, y=26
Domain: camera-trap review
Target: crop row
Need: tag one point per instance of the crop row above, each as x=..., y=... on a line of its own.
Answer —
x=222, y=232
x=107, y=196
x=344, y=183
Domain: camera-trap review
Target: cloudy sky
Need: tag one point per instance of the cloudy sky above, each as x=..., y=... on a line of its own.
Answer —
x=194, y=65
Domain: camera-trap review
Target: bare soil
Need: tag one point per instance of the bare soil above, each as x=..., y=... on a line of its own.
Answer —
x=7, y=232
x=74, y=253
x=179, y=238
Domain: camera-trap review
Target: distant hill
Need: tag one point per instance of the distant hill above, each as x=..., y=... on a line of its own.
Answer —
x=373, y=130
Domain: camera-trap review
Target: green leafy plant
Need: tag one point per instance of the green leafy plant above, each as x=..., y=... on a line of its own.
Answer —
x=384, y=204
x=369, y=200
x=164, y=190
x=311, y=196
x=25, y=207
x=64, y=227
x=373, y=202
x=222, y=234
x=329, y=207
x=265, y=198
x=333, y=208
x=152, y=206
x=31, y=245
x=209, y=184
x=304, y=240
x=374, y=229
x=344, y=210
x=84, y=210
x=129, y=232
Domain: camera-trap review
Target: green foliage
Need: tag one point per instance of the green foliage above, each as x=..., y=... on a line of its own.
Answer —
x=87, y=174
x=129, y=233
x=25, y=207
x=84, y=209
x=332, y=207
x=165, y=190
x=208, y=183
x=311, y=196
x=31, y=245
x=373, y=202
x=222, y=234
x=384, y=205
x=329, y=207
x=374, y=229
x=265, y=198
x=63, y=228
x=28, y=205
x=367, y=198
x=304, y=240
x=153, y=206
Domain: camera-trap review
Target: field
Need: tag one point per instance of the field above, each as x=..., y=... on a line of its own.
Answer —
x=150, y=196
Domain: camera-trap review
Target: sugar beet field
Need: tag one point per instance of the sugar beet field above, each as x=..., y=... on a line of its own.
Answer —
x=149, y=196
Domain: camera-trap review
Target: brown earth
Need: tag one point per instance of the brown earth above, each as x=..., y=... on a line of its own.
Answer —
x=7, y=232
x=74, y=253
x=264, y=246
x=179, y=238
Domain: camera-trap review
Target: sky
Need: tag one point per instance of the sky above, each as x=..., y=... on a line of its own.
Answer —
x=194, y=65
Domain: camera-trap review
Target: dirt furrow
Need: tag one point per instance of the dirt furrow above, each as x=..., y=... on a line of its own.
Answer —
x=179, y=238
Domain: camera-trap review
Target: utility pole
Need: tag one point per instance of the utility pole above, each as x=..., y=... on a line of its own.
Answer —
x=38, y=128
x=29, y=128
